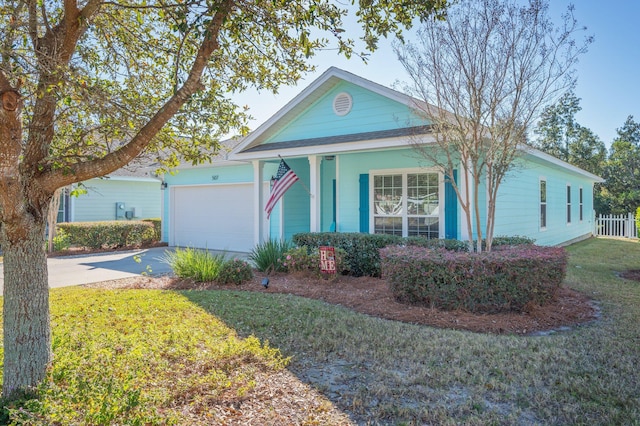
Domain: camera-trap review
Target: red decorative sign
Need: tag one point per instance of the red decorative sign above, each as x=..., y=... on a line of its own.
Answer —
x=327, y=260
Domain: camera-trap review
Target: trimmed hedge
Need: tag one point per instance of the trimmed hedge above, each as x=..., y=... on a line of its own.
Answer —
x=306, y=260
x=515, y=240
x=503, y=280
x=111, y=234
x=363, y=250
x=157, y=227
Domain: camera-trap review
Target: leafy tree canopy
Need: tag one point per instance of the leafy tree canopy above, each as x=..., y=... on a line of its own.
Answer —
x=622, y=171
x=86, y=86
x=131, y=58
x=560, y=135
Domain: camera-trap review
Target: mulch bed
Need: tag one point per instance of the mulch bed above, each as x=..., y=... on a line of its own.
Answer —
x=372, y=296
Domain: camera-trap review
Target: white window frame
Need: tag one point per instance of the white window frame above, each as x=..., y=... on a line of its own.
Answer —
x=405, y=215
x=541, y=203
x=569, y=198
x=581, y=204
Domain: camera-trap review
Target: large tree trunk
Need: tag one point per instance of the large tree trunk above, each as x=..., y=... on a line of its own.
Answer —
x=27, y=334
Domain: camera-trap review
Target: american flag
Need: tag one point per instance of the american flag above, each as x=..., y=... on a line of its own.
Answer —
x=284, y=179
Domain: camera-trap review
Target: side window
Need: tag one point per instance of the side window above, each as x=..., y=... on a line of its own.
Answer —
x=543, y=204
x=580, y=212
x=568, y=204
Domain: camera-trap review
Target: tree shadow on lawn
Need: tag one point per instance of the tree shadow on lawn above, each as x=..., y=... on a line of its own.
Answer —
x=355, y=379
x=372, y=296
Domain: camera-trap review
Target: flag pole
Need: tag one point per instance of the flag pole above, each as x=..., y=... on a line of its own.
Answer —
x=300, y=182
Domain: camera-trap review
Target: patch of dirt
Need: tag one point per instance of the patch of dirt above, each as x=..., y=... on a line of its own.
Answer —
x=632, y=274
x=372, y=296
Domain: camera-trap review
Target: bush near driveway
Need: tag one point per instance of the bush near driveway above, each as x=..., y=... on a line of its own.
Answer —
x=109, y=234
x=234, y=271
x=505, y=279
x=204, y=266
x=267, y=256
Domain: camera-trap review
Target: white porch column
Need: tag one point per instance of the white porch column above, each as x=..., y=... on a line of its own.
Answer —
x=258, y=206
x=314, y=188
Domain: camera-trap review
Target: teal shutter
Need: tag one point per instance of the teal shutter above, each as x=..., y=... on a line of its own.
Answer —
x=451, y=209
x=364, y=203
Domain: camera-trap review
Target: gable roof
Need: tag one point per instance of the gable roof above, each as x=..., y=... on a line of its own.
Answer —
x=258, y=141
x=318, y=88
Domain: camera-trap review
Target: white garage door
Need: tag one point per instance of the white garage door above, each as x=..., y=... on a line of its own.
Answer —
x=218, y=217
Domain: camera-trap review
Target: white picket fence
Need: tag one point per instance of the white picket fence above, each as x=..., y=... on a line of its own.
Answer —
x=623, y=225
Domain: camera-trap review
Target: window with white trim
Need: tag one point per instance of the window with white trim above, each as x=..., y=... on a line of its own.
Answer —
x=543, y=204
x=581, y=204
x=568, y=204
x=407, y=204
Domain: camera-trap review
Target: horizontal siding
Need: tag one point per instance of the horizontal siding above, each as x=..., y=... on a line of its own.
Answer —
x=370, y=112
x=518, y=204
x=297, y=217
x=214, y=174
x=102, y=194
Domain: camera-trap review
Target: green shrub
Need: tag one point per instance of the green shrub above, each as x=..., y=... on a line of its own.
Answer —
x=112, y=234
x=453, y=245
x=505, y=279
x=362, y=250
x=307, y=260
x=514, y=240
x=267, y=256
x=235, y=271
x=157, y=227
x=61, y=241
x=198, y=265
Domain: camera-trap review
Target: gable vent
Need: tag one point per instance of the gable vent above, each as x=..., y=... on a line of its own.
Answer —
x=342, y=104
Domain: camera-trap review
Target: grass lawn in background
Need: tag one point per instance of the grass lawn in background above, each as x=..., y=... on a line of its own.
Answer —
x=193, y=357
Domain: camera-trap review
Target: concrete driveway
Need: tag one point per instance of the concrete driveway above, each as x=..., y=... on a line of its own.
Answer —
x=67, y=271
x=91, y=268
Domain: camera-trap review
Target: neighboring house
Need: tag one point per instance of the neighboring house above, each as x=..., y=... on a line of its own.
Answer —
x=350, y=142
x=122, y=195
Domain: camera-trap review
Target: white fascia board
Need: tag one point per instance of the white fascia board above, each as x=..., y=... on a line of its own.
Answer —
x=558, y=162
x=346, y=147
x=217, y=163
x=127, y=179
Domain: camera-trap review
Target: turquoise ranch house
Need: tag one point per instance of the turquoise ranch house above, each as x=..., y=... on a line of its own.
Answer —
x=349, y=142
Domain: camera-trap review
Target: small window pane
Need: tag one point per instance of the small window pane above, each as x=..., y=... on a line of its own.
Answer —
x=568, y=204
x=581, y=204
x=388, y=225
x=543, y=204
x=427, y=227
x=387, y=194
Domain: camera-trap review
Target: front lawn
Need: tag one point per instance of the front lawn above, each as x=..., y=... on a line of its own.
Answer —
x=147, y=356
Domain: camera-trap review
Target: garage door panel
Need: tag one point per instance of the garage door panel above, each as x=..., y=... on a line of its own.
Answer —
x=217, y=217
